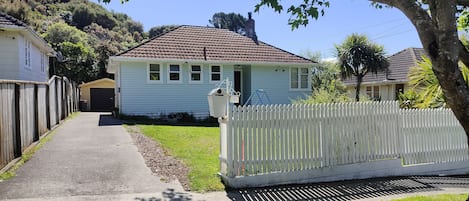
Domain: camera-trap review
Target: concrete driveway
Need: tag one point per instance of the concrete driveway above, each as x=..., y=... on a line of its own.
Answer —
x=90, y=157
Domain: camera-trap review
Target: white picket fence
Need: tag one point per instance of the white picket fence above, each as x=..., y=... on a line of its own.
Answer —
x=269, y=139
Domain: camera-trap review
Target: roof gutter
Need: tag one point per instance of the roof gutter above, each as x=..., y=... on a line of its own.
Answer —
x=115, y=60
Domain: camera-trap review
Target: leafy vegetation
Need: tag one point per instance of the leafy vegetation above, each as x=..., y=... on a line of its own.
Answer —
x=197, y=147
x=426, y=91
x=443, y=197
x=231, y=21
x=326, y=85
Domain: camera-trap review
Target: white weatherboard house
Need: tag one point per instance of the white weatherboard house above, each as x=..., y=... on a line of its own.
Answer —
x=24, y=55
x=174, y=72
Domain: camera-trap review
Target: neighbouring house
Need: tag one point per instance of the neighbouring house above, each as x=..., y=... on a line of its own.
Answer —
x=97, y=95
x=24, y=55
x=174, y=72
x=387, y=85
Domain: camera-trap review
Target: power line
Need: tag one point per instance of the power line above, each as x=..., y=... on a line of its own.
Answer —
x=392, y=34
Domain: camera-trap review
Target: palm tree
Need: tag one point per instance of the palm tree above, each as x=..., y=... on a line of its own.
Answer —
x=357, y=56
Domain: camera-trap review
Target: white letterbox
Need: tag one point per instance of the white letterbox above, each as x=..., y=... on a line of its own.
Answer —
x=218, y=102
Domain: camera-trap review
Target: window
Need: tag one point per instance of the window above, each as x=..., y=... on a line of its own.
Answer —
x=373, y=92
x=174, y=72
x=299, y=78
x=27, y=54
x=154, y=72
x=43, y=62
x=196, y=73
x=215, y=73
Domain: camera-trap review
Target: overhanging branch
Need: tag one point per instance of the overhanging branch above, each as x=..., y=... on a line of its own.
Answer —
x=463, y=2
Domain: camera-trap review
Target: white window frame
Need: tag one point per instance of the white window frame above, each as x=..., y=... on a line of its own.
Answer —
x=43, y=63
x=201, y=72
x=308, y=88
x=179, y=72
x=148, y=74
x=211, y=73
x=372, y=91
x=27, y=54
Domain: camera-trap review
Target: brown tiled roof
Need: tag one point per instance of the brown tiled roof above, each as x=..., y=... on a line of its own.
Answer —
x=7, y=20
x=211, y=44
x=399, y=65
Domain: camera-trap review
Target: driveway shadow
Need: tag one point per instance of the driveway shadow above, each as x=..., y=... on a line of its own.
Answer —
x=350, y=190
x=108, y=120
x=168, y=195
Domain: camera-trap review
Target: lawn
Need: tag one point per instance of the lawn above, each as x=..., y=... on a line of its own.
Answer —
x=197, y=147
x=443, y=197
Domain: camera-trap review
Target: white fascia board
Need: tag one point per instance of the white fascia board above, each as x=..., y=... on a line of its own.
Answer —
x=135, y=59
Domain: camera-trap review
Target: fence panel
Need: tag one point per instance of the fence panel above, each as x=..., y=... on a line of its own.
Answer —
x=432, y=136
x=53, y=102
x=286, y=138
x=7, y=127
x=28, y=110
x=27, y=124
x=43, y=106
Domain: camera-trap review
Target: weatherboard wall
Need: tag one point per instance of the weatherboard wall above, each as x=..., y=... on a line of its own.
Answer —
x=141, y=97
x=8, y=55
x=275, y=81
x=34, y=72
x=12, y=59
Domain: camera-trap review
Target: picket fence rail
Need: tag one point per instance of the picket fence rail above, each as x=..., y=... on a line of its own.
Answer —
x=264, y=139
x=28, y=110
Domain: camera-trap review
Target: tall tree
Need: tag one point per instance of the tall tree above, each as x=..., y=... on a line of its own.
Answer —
x=357, y=56
x=231, y=21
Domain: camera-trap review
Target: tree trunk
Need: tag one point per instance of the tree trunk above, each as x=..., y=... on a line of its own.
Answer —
x=357, y=91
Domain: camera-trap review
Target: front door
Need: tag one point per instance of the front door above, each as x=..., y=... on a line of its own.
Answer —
x=237, y=85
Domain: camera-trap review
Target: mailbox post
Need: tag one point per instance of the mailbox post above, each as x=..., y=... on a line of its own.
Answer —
x=219, y=100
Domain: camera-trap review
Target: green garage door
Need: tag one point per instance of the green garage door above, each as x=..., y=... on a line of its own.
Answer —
x=102, y=99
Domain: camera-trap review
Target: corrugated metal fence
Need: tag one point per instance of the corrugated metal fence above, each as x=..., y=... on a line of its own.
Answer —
x=286, y=138
x=29, y=109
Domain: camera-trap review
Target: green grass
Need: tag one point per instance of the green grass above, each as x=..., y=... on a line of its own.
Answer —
x=28, y=154
x=443, y=197
x=197, y=147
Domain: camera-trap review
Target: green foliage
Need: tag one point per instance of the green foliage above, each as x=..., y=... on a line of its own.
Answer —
x=324, y=96
x=61, y=32
x=409, y=99
x=158, y=30
x=300, y=13
x=358, y=56
x=231, y=21
x=197, y=147
x=425, y=85
x=327, y=88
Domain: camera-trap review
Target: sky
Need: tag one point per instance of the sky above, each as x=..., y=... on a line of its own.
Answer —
x=387, y=26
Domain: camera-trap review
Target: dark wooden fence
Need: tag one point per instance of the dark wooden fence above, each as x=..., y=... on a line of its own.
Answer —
x=28, y=110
